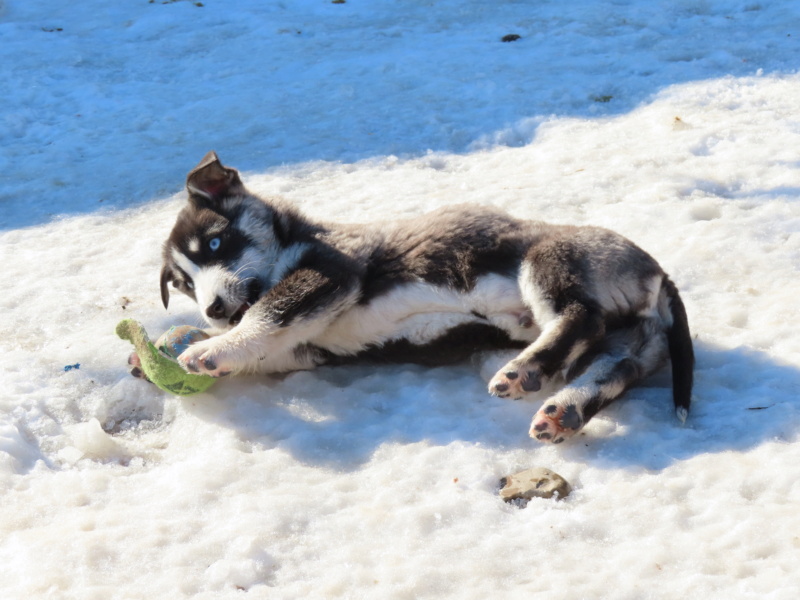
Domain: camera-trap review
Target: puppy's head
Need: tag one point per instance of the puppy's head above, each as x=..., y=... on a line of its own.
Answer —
x=222, y=246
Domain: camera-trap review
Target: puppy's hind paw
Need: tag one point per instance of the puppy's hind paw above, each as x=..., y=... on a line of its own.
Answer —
x=514, y=383
x=553, y=424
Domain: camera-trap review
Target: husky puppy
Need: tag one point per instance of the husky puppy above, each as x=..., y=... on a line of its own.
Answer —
x=581, y=306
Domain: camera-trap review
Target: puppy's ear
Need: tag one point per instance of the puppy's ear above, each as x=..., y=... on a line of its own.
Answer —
x=166, y=277
x=210, y=180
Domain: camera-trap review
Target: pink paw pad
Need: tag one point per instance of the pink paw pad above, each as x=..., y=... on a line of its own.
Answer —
x=554, y=424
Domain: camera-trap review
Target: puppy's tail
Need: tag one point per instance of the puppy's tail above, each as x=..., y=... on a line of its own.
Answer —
x=681, y=352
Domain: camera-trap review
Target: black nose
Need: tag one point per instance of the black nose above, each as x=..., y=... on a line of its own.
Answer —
x=216, y=310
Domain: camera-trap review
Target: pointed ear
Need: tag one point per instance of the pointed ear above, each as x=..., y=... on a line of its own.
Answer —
x=166, y=277
x=211, y=180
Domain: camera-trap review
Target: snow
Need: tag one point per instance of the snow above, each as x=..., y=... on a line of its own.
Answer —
x=675, y=123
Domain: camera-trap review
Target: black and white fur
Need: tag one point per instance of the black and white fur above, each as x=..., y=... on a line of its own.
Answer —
x=582, y=306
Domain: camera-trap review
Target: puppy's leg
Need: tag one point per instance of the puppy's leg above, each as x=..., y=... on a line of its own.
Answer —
x=628, y=356
x=562, y=341
x=290, y=315
x=254, y=348
x=563, y=415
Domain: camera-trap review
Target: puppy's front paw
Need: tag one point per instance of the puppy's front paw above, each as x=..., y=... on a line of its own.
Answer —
x=136, y=366
x=554, y=424
x=208, y=357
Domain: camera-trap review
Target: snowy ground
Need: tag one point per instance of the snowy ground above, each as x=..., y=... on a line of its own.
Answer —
x=676, y=123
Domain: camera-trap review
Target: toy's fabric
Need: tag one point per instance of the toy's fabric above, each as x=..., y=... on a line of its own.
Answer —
x=161, y=369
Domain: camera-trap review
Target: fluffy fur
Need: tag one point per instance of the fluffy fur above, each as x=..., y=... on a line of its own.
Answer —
x=582, y=306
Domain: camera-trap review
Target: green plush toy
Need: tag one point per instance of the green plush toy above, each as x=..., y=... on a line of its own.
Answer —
x=158, y=360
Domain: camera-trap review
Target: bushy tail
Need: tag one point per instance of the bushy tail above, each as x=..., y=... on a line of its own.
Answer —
x=681, y=353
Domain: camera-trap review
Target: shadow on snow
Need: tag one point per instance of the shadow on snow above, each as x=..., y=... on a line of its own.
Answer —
x=337, y=417
x=345, y=91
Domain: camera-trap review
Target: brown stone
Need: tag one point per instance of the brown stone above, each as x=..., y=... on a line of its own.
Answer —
x=534, y=483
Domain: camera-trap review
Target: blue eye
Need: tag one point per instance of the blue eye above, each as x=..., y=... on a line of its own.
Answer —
x=214, y=244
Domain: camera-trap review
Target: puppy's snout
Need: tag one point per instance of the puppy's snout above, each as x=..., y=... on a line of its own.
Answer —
x=216, y=310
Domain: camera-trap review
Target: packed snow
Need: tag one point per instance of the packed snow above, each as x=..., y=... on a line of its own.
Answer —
x=676, y=123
